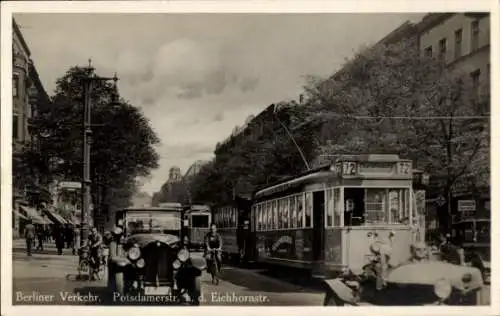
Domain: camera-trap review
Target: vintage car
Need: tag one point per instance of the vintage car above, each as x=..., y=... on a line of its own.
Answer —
x=418, y=281
x=148, y=262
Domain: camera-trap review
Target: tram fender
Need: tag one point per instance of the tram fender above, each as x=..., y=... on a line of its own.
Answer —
x=343, y=292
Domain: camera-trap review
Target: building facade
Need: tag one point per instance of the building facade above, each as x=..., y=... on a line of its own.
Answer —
x=27, y=93
x=462, y=40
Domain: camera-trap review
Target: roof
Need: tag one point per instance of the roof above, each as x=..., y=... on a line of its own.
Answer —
x=17, y=32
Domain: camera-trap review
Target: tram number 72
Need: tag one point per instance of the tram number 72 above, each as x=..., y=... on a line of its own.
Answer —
x=350, y=168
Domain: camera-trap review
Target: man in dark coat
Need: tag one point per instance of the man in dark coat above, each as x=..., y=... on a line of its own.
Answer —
x=59, y=238
x=29, y=234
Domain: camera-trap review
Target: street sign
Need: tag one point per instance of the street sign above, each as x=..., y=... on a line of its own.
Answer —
x=466, y=205
x=70, y=185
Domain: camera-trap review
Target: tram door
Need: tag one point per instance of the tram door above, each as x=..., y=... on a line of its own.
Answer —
x=354, y=206
x=318, y=224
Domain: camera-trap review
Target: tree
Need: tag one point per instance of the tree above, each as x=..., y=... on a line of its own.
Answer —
x=123, y=142
x=259, y=154
x=365, y=108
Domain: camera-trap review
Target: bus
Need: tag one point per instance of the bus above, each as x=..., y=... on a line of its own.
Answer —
x=324, y=220
x=199, y=218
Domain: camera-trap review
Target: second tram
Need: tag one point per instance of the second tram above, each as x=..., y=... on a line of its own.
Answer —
x=325, y=220
x=199, y=218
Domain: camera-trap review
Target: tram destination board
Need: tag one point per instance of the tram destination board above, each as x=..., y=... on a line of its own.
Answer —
x=353, y=168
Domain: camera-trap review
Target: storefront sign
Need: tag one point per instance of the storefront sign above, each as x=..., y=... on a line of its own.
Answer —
x=466, y=205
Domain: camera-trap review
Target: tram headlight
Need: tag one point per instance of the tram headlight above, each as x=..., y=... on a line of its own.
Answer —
x=140, y=263
x=183, y=255
x=134, y=253
x=442, y=289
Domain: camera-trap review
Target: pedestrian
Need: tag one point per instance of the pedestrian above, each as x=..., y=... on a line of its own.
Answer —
x=29, y=235
x=59, y=238
x=76, y=239
x=95, y=241
x=40, y=233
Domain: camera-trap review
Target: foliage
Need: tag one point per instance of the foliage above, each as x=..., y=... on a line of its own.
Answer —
x=395, y=81
x=259, y=154
x=123, y=142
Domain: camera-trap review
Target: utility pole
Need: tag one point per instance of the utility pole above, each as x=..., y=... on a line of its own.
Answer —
x=88, y=82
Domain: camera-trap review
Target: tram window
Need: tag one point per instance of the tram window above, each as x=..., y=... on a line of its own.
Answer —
x=308, y=208
x=259, y=217
x=374, y=205
x=281, y=211
x=269, y=219
x=395, y=211
x=406, y=205
x=276, y=219
x=293, y=210
x=337, y=212
x=329, y=207
x=200, y=221
x=300, y=211
x=284, y=205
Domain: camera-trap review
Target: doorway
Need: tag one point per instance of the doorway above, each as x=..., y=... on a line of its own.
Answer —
x=354, y=206
x=318, y=224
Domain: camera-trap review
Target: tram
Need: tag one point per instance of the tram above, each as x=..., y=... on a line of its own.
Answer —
x=198, y=219
x=226, y=219
x=325, y=219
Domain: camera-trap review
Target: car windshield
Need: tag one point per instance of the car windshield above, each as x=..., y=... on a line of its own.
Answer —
x=152, y=221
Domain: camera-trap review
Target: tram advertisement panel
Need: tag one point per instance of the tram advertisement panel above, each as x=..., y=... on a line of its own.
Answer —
x=229, y=241
x=333, y=249
x=291, y=244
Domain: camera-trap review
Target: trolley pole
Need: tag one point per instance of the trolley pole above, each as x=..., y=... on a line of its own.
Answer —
x=88, y=82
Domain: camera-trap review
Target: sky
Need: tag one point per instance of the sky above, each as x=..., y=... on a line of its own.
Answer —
x=197, y=76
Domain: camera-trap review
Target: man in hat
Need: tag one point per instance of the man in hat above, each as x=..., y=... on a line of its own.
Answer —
x=29, y=235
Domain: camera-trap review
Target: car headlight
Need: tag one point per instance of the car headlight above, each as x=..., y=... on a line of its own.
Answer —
x=140, y=263
x=466, y=278
x=183, y=255
x=442, y=289
x=176, y=264
x=134, y=253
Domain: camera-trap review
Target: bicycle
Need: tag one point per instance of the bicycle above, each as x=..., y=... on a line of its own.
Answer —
x=214, y=265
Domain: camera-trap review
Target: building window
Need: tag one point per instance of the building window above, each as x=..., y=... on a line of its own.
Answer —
x=474, y=36
x=458, y=43
x=428, y=52
x=442, y=49
x=475, y=81
x=15, y=127
x=15, y=86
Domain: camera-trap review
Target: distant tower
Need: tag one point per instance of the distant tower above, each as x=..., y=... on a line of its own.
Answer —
x=174, y=174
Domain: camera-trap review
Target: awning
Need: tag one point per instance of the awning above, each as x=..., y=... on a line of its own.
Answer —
x=21, y=216
x=75, y=220
x=47, y=219
x=56, y=218
x=33, y=214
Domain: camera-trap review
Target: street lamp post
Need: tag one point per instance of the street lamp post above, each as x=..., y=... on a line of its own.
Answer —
x=88, y=82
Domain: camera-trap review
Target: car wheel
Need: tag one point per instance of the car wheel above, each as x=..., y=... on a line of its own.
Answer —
x=332, y=300
x=119, y=281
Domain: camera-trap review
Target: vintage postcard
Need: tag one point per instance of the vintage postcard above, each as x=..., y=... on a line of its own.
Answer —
x=248, y=154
